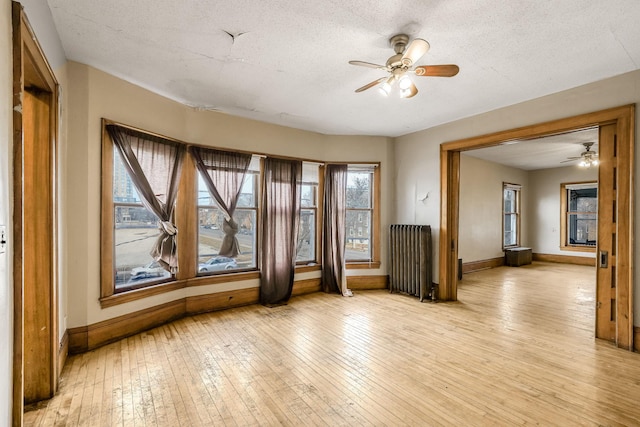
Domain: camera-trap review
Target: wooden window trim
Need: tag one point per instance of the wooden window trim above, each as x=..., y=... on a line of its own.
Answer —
x=563, y=220
x=186, y=214
x=374, y=263
x=318, y=234
x=108, y=296
x=518, y=189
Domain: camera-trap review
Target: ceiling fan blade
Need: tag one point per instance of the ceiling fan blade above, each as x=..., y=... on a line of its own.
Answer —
x=368, y=65
x=370, y=85
x=414, y=52
x=448, y=70
x=569, y=160
x=410, y=92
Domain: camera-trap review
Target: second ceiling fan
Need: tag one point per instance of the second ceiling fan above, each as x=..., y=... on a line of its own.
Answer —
x=400, y=65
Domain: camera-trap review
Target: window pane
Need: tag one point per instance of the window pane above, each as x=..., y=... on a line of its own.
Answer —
x=509, y=200
x=204, y=198
x=510, y=229
x=136, y=230
x=307, y=236
x=583, y=200
x=358, y=239
x=123, y=189
x=308, y=195
x=582, y=229
x=359, y=186
x=248, y=193
x=210, y=236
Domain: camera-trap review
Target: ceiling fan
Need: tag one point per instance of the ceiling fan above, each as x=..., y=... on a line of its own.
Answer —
x=587, y=157
x=400, y=65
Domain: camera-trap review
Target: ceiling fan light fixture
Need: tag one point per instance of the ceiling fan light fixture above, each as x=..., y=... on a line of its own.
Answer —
x=404, y=83
x=384, y=89
x=403, y=62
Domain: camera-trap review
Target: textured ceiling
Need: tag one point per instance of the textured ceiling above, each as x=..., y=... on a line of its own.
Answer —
x=541, y=153
x=286, y=61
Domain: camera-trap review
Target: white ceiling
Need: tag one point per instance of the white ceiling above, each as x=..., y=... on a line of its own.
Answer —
x=540, y=153
x=286, y=61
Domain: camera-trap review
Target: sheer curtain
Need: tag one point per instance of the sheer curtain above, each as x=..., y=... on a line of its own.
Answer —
x=154, y=165
x=334, y=229
x=223, y=173
x=280, y=218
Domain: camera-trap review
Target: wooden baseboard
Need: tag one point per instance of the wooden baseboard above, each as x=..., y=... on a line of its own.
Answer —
x=222, y=300
x=85, y=338
x=308, y=286
x=469, y=267
x=636, y=338
x=565, y=259
x=63, y=351
x=367, y=282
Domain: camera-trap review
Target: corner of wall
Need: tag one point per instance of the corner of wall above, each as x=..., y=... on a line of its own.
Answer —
x=6, y=198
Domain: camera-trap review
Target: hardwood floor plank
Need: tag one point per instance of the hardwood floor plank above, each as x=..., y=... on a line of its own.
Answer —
x=517, y=348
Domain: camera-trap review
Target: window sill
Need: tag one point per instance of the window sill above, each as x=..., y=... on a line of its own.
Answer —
x=136, y=294
x=161, y=288
x=365, y=265
x=303, y=268
x=223, y=278
x=590, y=249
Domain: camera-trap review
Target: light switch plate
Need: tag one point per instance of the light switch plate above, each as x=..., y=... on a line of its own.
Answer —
x=3, y=238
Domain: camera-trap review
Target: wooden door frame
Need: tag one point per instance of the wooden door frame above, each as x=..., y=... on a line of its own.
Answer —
x=624, y=119
x=30, y=70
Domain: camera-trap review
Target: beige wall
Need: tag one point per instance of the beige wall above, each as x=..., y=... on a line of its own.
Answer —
x=481, y=202
x=417, y=160
x=6, y=136
x=544, y=207
x=480, y=223
x=93, y=95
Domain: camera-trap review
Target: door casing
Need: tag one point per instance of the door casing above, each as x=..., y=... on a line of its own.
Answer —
x=624, y=120
x=33, y=77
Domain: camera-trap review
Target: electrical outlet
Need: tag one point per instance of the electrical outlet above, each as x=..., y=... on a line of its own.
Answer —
x=3, y=239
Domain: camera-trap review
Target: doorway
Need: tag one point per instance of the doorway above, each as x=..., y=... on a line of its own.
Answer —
x=616, y=133
x=35, y=127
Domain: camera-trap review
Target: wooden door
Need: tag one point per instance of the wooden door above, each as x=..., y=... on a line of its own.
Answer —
x=606, y=253
x=37, y=229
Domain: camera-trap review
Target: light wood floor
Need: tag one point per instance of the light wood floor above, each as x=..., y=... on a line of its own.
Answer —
x=517, y=349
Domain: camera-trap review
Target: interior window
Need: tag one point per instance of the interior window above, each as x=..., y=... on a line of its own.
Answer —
x=308, y=214
x=211, y=221
x=135, y=231
x=511, y=215
x=359, y=207
x=580, y=216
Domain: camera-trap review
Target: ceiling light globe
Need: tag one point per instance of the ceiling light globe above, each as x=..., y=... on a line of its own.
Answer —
x=404, y=83
x=385, y=89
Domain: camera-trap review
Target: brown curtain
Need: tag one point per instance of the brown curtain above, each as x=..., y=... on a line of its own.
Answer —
x=334, y=229
x=280, y=218
x=223, y=172
x=154, y=165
